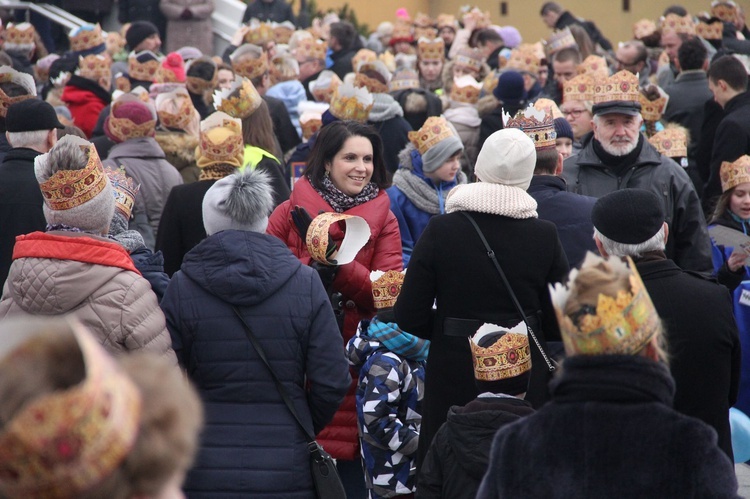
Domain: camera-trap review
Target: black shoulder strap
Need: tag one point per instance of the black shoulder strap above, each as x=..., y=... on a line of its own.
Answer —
x=491, y=255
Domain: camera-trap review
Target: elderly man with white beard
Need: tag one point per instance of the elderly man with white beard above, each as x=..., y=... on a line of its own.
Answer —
x=615, y=155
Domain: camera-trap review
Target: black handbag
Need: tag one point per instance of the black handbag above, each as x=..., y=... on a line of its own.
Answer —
x=322, y=467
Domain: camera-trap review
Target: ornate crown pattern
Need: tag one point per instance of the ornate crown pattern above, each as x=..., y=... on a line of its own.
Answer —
x=143, y=70
x=403, y=79
x=538, y=124
x=19, y=34
x=643, y=28
x=430, y=49
x=734, y=173
x=559, y=40
x=66, y=189
x=726, y=11
x=678, y=24
x=180, y=120
x=710, y=31
x=671, y=142
x=595, y=66
x=446, y=21
x=351, y=103
x=242, y=105
x=525, y=59
x=231, y=149
x=386, y=287
x=94, y=67
x=509, y=356
x=311, y=49
x=325, y=86
x=310, y=126
x=259, y=33
x=652, y=110
x=402, y=31
x=465, y=89
x=434, y=130
x=86, y=37
x=249, y=61
x=362, y=56
x=124, y=189
x=471, y=58
x=282, y=32
x=621, y=86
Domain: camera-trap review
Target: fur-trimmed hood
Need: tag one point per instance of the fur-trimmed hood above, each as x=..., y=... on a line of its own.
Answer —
x=486, y=105
x=178, y=147
x=404, y=157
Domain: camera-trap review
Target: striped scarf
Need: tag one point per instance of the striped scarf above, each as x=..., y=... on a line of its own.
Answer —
x=397, y=341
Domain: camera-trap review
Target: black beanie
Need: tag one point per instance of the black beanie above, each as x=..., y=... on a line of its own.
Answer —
x=139, y=31
x=628, y=216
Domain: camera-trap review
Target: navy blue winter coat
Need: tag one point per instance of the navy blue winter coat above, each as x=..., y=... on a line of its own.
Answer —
x=252, y=446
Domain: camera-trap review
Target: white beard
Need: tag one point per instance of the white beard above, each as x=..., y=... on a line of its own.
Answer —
x=620, y=149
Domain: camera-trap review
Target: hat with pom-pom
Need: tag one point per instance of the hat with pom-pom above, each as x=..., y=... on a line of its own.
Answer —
x=171, y=69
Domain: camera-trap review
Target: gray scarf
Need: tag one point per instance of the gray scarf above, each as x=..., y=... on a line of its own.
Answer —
x=131, y=240
x=384, y=107
x=420, y=192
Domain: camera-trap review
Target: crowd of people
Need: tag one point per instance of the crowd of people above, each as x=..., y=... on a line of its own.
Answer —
x=573, y=215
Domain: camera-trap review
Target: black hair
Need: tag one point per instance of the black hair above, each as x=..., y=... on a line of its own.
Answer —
x=692, y=54
x=729, y=69
x=345, y=33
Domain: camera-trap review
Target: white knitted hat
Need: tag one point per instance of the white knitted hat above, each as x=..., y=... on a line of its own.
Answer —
x=508, y=157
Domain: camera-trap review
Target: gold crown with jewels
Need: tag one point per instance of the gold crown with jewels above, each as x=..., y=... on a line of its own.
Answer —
x=509, y=356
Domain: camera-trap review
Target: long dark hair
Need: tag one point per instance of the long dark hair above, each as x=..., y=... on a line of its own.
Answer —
x=722, y=206
x=257, y=130
x=330, y=141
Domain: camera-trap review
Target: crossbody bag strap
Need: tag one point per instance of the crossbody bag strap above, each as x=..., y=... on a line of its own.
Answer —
x=493, y=258
x=279, y=386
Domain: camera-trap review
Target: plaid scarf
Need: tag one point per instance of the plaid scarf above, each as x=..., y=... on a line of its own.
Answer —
x=397, y=341
x=341, y=202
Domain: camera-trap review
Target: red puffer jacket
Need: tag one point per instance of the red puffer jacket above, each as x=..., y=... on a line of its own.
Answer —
x=85, y=100
x=382, y=252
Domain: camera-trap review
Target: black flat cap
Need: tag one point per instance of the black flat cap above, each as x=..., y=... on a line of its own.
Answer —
x=30, y=115
x=628, y=216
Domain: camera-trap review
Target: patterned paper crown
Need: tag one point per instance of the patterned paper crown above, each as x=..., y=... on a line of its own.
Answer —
x=386, y=287
x=422, y=20
x=198, y=85
x=249, y=61
x=402, y=32
x=621, y=324
x=239, y=106
x=431, y=49
x=465, y=89
x=428, y=32
x=310, y=124
x=143, y=65
x=710, y=31
x=85, y=37
x=490, y=82
x=446, y=21
x=434, y=130
x=643, y=28
x=22, y=34
x=509, y=356
x=94, y=67
x=351, y=103
x=677, y=24
x=123, y=128
x=372, y=83
x=122, y=83
x=66, y=189
x=324, y=87
x=544, y=103
x=403, y=79
x=470, y=58
x=363, y=55
x=734, y=173
x=652, y=110
x=356, y=235
x=671, y=142
x=229, y=150
x=579, y=88
x=524, y=59
x=311, y=49
x=621, y=86
x=595, y=66
x=538, y=124
x=282, y=32
x=183, y=117
x=559, y=40
x=65, y=442
x=124, y=189
x=259, y=33
x=726, y=11
x=8, y=74
x=389, y=60
x=482, y=19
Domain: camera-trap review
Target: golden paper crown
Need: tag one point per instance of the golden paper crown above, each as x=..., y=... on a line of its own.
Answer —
x=185, y=114
x=734, y=173
x=621, y=86
x=482, y=19
x=490, y=82
x=726, y=11
x=325, y=86
x=469, y=57
x=643, y=28
x=389, y=60
x=524, y=59
x=310, y=126
x=94, y=67
x=230, y=150
x=434, y=130
x=402, y=32
x=282, y=32
x=316, y=238
x=65, y=442
x=66, y=189
x=19, y=34
x=559, y=40
x=143, y=71
x=240, y=106
x=623, y=324
x=712, y=31
x=465, y=89
x=446, y=21
x=509, y=356
x=677, y=24
x=311, y=49
x=595, y=66
x=124, y=189
x=249, y=61
x=8, y=74
x=373, y=84
x=652, y=110
x=259, y=33
x=363, y=55
x=538, y=124
x=403, y=79
x=198, y=85
x=671, y=142
x=423, y=20
x=386, y=287
x=431, y=49
x=122, y=83
x=579, y=88
x=544, y=103
x=428, y=33
x=84, y=39
x=351, y=103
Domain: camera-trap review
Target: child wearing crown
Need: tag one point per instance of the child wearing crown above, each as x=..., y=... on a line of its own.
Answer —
x=391, y=365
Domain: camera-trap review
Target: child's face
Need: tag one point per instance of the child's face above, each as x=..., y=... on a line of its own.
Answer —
x=564, y=146
x=447, y=172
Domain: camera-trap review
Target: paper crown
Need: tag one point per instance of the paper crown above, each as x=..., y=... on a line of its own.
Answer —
x=389, y=60
x=66, y=189
x=259, y=33
x=621, y=86
x=672, y=23
x=171, y=69
x=652, y=110
x=404, y=79
x=311, y=49
x=671, y=142
x=355, y=237
x=446, y=21
x=620, y=324
x=428, y=32
x=490, y=82
x=94, y=67
x=124, y=128
x=559, y=40
x=579, y=88
x=282, y=32
x=524, y=59
x=372, y=83
x=434, y=130
x=482, y=19
x=124, y=189
x=422, y=20
x=470, y=58
x=509, y=356
x=430, y=49
x=142, y=66
x=229, y=150
x=22, y=34
x=595, y=66
x=710, y=31
x=241, y=105
x=538, y=124
x=543, y=103
x=351, y=103
x=734, y=173
x=10, y=75
x=325, y=86
x=465, y=89
x=726, y=11
x=386, y=287
x=122, y=83
x=402, y=32
x=185, y=112
x=249, y=61
x=198, y=85
x=643, y=28
x=363, y=55
x=310, y=123
x=63, y=443
x=85, y=37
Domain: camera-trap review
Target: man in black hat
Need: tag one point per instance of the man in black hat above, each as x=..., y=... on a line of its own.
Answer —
x=31, y=130
x=615, y=155
x=143, y=35
x=702, y=337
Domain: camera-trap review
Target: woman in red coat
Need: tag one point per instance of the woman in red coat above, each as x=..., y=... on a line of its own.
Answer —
x=345, y=174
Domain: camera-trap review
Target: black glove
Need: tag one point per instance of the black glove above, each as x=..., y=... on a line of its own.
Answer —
x=327, y=273
x=302, y=220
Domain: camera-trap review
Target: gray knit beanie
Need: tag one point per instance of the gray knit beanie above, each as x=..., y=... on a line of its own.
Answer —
x=242, y=201
x=437, y=155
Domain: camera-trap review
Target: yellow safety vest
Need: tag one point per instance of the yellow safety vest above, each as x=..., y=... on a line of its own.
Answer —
x=254, y=155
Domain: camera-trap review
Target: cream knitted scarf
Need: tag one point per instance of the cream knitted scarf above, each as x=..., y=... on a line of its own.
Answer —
x=497, y=199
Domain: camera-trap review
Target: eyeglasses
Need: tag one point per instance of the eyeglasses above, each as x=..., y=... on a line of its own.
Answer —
x=575, y=113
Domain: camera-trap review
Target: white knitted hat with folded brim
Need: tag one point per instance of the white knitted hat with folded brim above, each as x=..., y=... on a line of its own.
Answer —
x=508, y=157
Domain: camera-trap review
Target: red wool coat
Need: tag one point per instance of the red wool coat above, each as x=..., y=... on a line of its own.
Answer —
x=382, y=252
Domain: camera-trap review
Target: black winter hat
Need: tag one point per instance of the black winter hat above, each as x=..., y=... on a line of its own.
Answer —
x=628, y=216
x=139, y=31
x=30, y=115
